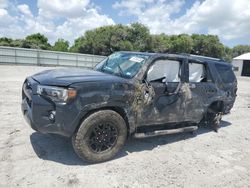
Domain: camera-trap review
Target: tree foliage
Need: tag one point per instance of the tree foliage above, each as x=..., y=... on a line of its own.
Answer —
x=181, y=43
x=10, y=42
x=37, y=41
x=105, y=40
x=135, y=37
x=160, y=43
x=240, y=49
x=208, y=45
x=61, y=45
x=139, y=35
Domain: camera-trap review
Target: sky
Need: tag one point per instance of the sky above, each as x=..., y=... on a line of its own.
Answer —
x=69, y=19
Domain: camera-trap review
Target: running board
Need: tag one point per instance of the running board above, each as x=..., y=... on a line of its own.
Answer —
x=165, y=132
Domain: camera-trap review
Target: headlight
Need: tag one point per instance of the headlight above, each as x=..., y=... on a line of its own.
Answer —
x=57, y=94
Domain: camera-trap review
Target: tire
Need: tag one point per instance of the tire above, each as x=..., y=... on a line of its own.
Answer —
x=100, y=136
x=214, y=119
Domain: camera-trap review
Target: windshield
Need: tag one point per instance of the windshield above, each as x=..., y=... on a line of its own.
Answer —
x=122, y=64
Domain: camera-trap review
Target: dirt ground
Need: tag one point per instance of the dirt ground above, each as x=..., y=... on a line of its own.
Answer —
x=207, y=159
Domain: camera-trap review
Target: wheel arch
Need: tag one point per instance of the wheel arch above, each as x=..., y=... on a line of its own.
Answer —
x=216, y=106
x=121, y=111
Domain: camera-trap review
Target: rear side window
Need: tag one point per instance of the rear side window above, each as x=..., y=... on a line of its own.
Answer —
x=226, y=73
x=197, y=72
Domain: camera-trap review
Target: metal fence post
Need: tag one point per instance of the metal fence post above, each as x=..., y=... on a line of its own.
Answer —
x=77, y=60
x=92, y=62
x=38, y=58
x=57, y=60
x=15, y=56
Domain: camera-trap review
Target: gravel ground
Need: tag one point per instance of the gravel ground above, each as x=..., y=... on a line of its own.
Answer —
x=207, y=159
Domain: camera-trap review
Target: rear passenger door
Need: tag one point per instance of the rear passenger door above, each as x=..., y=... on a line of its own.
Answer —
x=202, y=90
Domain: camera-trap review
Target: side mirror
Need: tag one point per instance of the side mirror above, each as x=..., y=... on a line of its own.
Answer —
x=164, y=79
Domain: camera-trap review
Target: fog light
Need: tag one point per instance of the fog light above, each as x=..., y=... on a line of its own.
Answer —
x=52, y=116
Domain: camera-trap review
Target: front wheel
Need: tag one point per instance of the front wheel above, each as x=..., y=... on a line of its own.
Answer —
x=100, y=136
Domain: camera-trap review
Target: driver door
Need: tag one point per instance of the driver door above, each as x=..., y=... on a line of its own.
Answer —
x=168, y=104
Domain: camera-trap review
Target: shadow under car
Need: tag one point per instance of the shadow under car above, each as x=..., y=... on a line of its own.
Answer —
x=59, y=149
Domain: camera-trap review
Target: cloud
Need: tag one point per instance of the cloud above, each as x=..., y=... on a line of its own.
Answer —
x=24, y=9
x=3, y=4
x=131, y=7
x=75, y=26
x=76, y=16
x=229, y=19
x=5, y=18
x=58, y=8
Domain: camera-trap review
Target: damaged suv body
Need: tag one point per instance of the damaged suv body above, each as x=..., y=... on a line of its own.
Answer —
x=128, y=93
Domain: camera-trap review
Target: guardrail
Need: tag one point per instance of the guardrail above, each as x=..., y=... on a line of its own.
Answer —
x=10, y=55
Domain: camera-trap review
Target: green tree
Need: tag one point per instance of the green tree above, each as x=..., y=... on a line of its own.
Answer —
x=140, y=37
x=227, y=54
x=240, y=49
x=181, y=43
x=95, y=41
x=119, y=39
x=79, y=45
x=4, y=41
x=61, y=45
x=37, y=41
x=10, y=42
x=107, y=39
x=208, y=45
x=17, y=43
x=160, y=43
x=104, y=40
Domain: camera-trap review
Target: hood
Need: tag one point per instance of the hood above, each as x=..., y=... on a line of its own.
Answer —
x=68, y=76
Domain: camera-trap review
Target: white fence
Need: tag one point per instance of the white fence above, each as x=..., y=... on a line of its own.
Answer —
x=10, y=55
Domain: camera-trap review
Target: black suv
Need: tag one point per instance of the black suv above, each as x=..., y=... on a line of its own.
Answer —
x=128, y=93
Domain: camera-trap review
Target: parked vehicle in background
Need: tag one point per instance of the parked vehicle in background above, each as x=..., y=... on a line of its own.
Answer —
x=128, y=94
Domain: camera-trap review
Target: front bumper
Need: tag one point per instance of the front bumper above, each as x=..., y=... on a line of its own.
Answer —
x=37, y=111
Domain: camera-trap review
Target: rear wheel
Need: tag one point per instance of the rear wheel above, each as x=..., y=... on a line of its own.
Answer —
x=214, y=119
x=100, y=136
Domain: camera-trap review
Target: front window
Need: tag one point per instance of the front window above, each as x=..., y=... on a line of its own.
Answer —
x=167, y=70
x=122, y=64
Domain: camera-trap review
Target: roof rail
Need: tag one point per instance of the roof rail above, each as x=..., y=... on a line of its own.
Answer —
x=206, y=57
x=185, y=54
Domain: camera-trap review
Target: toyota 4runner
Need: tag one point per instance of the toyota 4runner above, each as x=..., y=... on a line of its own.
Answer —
x=128, y=93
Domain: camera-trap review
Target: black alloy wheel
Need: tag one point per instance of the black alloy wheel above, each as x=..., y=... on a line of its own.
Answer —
x=102, y=137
